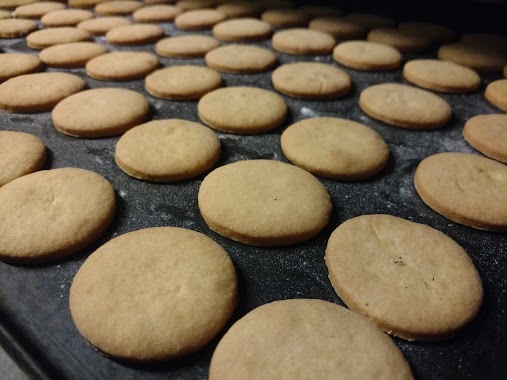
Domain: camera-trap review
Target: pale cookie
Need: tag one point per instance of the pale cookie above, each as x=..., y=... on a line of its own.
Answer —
x=242, y=110
x=53, y=213
x=441, y=76
x=437, y=34
x=85, y=3
x=117, y=7
x=405, y=106
x=186, y=46
x=368, y=56
x=11, y=4
x=412, y=280
x=4, y=14
x=20, y=154
x=264, y=203
x=37, y=10
x=488, y=134
x=38, y=92
x=238, y=9
x=122, y=65
x=321, y=11
x=306, y=339
x=100, y=112
x=101, y=25
x=303, y=41
x=480, y=58
x=167, y=150
x=494, y=41
x=154, y=294
x=465, y=188
x=369, y=21
x=156, y=13
x=496, y=94
x=241, y=59
x=338, y=27
x=53, y=36
x=198, y=19
x=14, y=28
x=15, y=64
x=335, y=148
x=66, y=17
x=195, y=4
x=186, y=82
x=286, y=18
x=311, y=80
x=71, y=55
x=242, y=29
x=403, y=40
x=137, y=34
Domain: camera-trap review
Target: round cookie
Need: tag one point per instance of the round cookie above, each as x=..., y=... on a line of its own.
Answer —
x=405, y=106
x=242, y=29
x=137, y=34
x=186, y=46
x=437, y=34
x=242, y=110
x=74, y=54
x=101, y=25
x=11, y=4
x=492, y=41
x=84, y=3
x=117, y=7
x=167, y=150
x=186, y=82
x=412, y=280
x=286, y=18
x=306, y=339
x=337, y=27
x=53, y=36
x=311, y=80
x=400, y=39
x=20, y=154
x=335, y=148
x=66, y=17
x=14, y=64
x=14, y=28
x=264, y=203
x=38, y=92
x=122, y=65
x=53, y=213
x=37, y=10
x=465, y=188
x=496, y=93
x=302, y=41
x=488, y=134
x=321, y=11
x=369, y=21
x=441, y=76
x=479, y=58
x=156, y=13
x=368, y=56
x=195, y=4
x=239, y=9
x=198, y=19
x=241, y=59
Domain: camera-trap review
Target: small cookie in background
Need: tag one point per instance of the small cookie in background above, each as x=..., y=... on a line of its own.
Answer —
x=85, y=3
x=71, y=55
x=338, y=27
x=493, y=41
x=496, y=93
x=186, y=46
x=242, y=29
x=15, y=64
x=241, y=59
x=239, y=9
x=367, y=56
x=488, y=134
x=476, y=57
x=286, y=18
x=101, y=25
x=369, y=21
x=66, y=17
x=11, y=4
x=301, y=41
x=14, y=28
x=199, y=19
x=44, y=38
x=437, y=34
x=400, y=39
x=122, y=65
x=156, y=13
x=321, y=11
x=195, y=4
x=136, y=34
x=37, y=10
x=117, y=7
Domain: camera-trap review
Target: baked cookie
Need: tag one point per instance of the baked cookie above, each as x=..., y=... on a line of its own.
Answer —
x=241, y=59
x=53, y=213
x=369, y=21
x=239, y=9
x=236, y=110
x=286, y=18
x=14, y=28
x=242, y=29
x=38, y=92
x=4, y=14
x=321, y=11
x=101, y=25
x=311, y=80
x=37, y=10
x=186, y=46
x=264, y=203
x=100, y=112
x=122, y=65
x=496, y=94
x=335, y=148
x=198, y=19
x=302, y=41
x=156, y=13
x=476, y=57
x=438, y=34
x=11, y=4
x=306, y=339
x=442, y=76
x=167, y=150
x=20, y=154
x=66, y=17
x=368, y=56
x=488, y=134
x=44, y=38
x=405, y=106
x=74, y=54
x=465, y=188
x=195, y=4
x=15, y=64
x=154, y=294
x=137, y=34
x=493, y=41
x=338, y=27
x=412, y=280
x=117, y=7
x=403, y=40
x=84, y=3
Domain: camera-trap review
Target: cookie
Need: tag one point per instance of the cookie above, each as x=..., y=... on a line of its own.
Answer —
x=302, y=41
x=122, y=65
x=321, y=11
x=101, y=25
x=239, y=9
x=53, y=36
x=311, y=80
x=367, y=56
x=167, y=150
x=4, y=14
x=186, y=82
x=21, y=154
x=66, y=17
x=195, y=4
x=496, y=93
x=286, y=18
x=154, y=294
x=53, y=213
x=242, y=29
x=403, y=40
x=236, y=110
x=335, y=148
x=442, y=76
x=198, y=19
x=405, y=106
x=479, y=58
x=117, y=7
x=241, y=59
x=84, y=3
x=488, y=134
x=37, y=10
x=465, y=188
x=369, y=21
x=438, y=34
x=412, y=280
x=338, y=27
x=38, y=92
x=74, y=54
x=137, y=34
x=493, y=41
x=264, y=203
x=11, y=4
x=156, y=13
x=15, y=64
x=14, y=28
x=186, y=46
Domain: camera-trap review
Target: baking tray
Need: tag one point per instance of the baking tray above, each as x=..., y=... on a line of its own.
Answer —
x=36, y=328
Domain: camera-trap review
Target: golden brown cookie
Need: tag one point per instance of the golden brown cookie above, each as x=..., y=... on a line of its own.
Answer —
x=66, y=17
x=286, y=18
x=488, y=134
x=117, y=7
x=53, y=36
x=238, y=9
x=14, y=28
x=198, y=19
x=338, y=27
x=84, y=3
x=369, y=21
x=242, y=29
x=137, y=34
x=241, y=59
x=101, y=25
x=368, y=56
x=476, y=57
x=37, y=10
x=403, y=40
x=156, y=13
x=11, y=4
x=186, y=46
x=195, y=4
x=493, y=41
x=122, y=65
x=14, y=64
x=496, y=93
x=437, y=34
x=74, y=54
x=303, y=41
